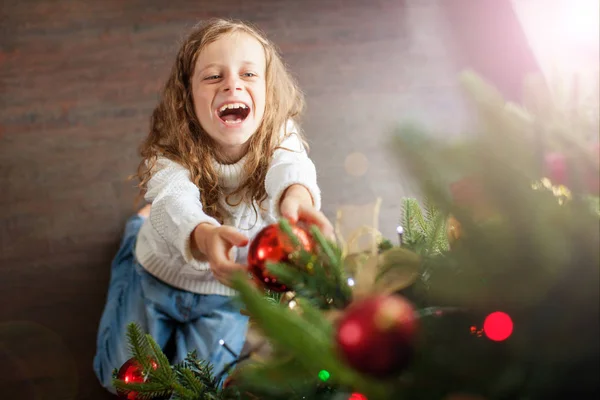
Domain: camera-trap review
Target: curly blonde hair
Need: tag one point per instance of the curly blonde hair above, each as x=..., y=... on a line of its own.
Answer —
x=176, y=133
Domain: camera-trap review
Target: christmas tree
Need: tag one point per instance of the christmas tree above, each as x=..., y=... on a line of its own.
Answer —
x=493, y=294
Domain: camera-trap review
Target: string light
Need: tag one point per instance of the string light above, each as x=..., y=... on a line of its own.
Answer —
x=324, y=375
x=350, y=282
x=237, y=359
x=357, y=396
x=498, y=326
x=400, y=231
x=229, y=350
x=476, y=332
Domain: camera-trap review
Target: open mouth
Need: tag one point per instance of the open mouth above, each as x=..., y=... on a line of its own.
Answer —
x=233, y=113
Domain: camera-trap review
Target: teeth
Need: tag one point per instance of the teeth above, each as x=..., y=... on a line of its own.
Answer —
x=232, y=105
x=237, y=121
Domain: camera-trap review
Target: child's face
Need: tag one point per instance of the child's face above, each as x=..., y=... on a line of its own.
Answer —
x=228, y=87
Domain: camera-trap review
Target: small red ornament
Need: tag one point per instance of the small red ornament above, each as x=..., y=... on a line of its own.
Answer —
x=272, y=245
x=132, y=372
x=375, y=336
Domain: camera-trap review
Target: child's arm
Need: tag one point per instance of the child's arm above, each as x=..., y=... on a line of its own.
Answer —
x=296, y=204
x=291, y=183
x=179, y=221
x=176, y=207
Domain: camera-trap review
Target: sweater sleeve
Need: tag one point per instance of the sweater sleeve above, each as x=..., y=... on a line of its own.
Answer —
x=176, y=207
x=291, y=165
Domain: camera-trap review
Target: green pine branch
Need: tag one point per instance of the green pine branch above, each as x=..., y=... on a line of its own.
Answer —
x=145, y=390
x=190, y=380
x=139, y=347
x=424, y=228
x=306, y=338
x=318, y=275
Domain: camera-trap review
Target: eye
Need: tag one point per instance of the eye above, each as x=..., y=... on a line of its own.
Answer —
x=249, y=74
x=212, y=77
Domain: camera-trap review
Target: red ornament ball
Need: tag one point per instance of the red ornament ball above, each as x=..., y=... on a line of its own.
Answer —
x=132, y=372
x=375, y=336
x=272, y=245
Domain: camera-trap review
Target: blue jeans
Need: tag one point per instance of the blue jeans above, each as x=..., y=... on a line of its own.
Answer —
x=192, y=321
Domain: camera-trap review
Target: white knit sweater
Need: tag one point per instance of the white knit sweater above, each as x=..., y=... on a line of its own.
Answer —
x=163, y=243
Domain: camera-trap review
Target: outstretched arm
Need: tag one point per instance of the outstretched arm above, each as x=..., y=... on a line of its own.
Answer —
x=291, y=184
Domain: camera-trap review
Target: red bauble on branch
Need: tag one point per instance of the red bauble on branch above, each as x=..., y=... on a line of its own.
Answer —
x=272, y=245
x=132, y=372
x=375, y=336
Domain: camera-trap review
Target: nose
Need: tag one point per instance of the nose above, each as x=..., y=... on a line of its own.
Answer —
x=232, y=83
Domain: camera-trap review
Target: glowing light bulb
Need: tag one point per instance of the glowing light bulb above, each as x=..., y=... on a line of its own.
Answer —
x=324, y=375
x=498, y=326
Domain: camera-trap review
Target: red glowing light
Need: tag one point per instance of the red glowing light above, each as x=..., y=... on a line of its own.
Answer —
x=357, y=396
x=498, y=326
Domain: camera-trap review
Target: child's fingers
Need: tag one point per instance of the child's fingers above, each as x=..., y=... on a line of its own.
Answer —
x=233, y=236
x=312, y=216
x=230, y=267
x=223, y=264
x=221, y=278
x=224, y=270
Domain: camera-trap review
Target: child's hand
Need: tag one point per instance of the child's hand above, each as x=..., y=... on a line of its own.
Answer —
x=216, y=242
x=297, y=205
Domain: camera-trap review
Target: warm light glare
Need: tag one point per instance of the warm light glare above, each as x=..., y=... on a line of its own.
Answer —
x=581, y=20
x=564, y=36
x=498, y=326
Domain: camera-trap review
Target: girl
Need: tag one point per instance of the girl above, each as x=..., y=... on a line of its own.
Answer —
x=223, y=159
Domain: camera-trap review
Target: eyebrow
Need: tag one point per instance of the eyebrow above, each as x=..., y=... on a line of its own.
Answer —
x=211, y=65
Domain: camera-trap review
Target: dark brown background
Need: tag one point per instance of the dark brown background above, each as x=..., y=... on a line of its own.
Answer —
x=78, y=80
